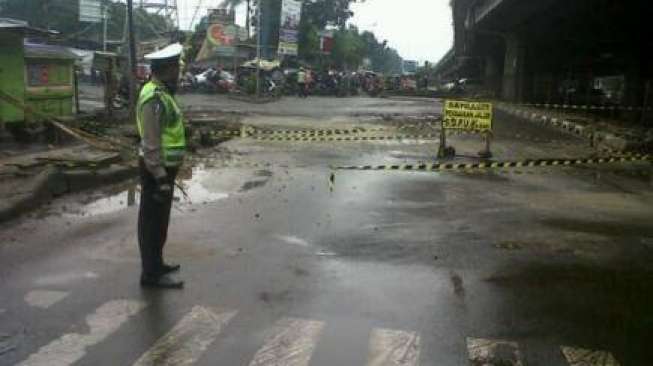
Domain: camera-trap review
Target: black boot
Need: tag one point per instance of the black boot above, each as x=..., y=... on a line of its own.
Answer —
x=169, y=268
x=162, y=282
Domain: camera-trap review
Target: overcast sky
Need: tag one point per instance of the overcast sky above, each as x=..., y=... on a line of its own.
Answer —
x=419, y=29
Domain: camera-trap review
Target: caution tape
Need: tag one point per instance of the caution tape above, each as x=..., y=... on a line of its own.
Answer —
x=345, y=138
x=586, y=107
x=226, y=133
x=432, y=124
x=303, y=133
x=317, y=132
x=498, y=164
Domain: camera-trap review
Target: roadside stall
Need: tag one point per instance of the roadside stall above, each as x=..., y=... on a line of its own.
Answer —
x=36, y=76
x=49, y=80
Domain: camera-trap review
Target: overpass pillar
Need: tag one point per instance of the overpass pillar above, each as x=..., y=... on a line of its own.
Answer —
x=492, y=75
x=513, y=69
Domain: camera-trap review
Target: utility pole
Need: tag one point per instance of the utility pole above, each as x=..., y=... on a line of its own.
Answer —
x=132, y=59
x=247, y=20
x=258, y=49
x=104, y=30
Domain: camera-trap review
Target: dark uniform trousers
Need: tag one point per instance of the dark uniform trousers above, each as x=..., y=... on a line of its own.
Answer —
x=153, y=219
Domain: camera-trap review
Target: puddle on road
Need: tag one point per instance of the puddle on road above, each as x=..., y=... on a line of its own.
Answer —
x=198, y=183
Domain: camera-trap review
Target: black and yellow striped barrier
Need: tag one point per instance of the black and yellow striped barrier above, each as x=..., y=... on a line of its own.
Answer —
x=325, y=132
x=345, y=138
x=431, y=124
x=226, y=133
x=433, y=167
x=339, y=138
x=587, y=107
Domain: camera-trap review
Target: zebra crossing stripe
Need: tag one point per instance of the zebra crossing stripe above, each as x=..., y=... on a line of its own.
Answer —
x=493, y=352
x=44, y=298
x=187, y=341
x=585, y=357
x=393, y=348
x=291, y=343
x=71, y=347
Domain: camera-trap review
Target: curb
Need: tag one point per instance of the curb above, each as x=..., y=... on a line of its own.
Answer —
x=265, y=100
x=589, y=133
x=54, y=182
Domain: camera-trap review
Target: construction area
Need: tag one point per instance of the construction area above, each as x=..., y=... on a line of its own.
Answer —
x=505, y=221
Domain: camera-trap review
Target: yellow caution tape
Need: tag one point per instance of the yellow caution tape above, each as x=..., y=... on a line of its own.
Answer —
x=498, y=164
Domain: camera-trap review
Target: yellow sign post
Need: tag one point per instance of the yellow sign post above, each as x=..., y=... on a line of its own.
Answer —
x=468, y=116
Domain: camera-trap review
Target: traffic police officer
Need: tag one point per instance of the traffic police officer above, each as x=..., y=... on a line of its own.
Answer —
x=163, y=144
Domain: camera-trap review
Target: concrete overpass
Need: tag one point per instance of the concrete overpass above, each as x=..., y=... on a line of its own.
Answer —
x=552, y=50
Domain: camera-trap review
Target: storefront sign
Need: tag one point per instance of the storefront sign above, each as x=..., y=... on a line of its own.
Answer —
x=291, y=11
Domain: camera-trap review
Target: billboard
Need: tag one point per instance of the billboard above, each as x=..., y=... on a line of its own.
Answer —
x=90, y=11
x=223, y=38
x=291, y=12
x=221, y=41
x=326, y=42
x=409, y=67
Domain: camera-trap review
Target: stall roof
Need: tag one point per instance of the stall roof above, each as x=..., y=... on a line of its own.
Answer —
x=21, y=25
x=33, y=50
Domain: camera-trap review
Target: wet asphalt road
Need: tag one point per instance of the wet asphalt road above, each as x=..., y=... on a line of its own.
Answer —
x=389, y=268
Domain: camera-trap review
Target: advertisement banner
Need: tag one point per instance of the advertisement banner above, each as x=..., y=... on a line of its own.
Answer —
x=409, y=67
x=90, y=11
x=221, y=41
x=471, y=116
x=326, y=42
x=291, y=11
x=223, y=37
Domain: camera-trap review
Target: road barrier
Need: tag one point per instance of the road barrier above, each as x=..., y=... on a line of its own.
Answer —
x=586, y=107
x=335, y=138
x=324, y=132
x=530, y=163
x=345, y=138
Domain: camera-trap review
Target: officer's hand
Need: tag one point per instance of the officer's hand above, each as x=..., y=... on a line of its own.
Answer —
x=164, y=189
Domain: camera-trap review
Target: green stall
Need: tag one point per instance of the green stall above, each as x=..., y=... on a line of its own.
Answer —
x=49, y=80
x=36, y=75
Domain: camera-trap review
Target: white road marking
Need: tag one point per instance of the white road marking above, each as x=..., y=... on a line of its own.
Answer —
x=71, y=347
x=393, y=348
x=585, y=357
x=291, y=343
x=44, y=298
x=186, y=342
x=493, y=351
x=293, y=240
x=64, y=278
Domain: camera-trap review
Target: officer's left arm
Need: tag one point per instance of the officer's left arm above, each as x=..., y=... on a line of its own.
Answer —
x=152, y=141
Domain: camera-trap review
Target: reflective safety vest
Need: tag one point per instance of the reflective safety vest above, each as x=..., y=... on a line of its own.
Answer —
x=173, y=136
x=301, y=77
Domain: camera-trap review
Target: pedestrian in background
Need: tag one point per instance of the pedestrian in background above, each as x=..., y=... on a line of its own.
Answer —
x=301, y=82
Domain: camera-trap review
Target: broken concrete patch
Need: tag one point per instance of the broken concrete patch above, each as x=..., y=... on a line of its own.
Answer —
x=584, y=357
x=493, y=352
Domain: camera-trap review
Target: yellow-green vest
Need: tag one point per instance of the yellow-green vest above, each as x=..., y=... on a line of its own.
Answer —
x=173, y=137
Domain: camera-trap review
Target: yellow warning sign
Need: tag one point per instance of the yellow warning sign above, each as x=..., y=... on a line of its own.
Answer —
x=463, y=115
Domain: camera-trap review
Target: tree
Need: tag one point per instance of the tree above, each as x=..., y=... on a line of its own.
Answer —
x=63, y=16
x=349, y=48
